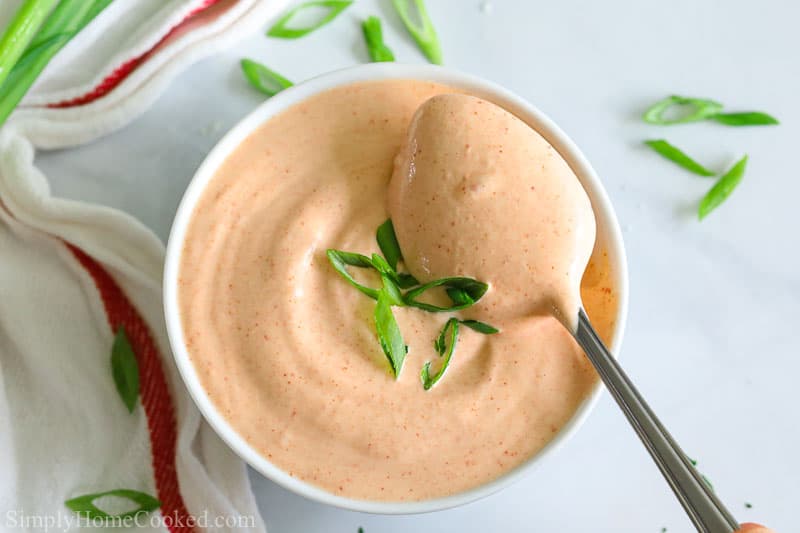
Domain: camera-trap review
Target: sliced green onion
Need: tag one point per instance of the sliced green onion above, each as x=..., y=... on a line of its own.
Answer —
x=281, y=28
x=674, y=154
x=722, y=189
x=441, y=346
x=84, y=505
x=423, y=32
x=696, y=109
x=472, y=288
x=341, y=260
x=389, y=335
x=387, y=242
x=373, y=35
x=125, y=369
x=459, y=296
x=382, y=265
x=442, y=349
x=392, y=291
x=406, y=281
x=66, y=21
x=389, y=277
x=748, y=118
x=263, y=79
x=21, y=31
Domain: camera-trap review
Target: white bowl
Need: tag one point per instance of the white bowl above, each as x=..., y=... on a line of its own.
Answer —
x=607, y=230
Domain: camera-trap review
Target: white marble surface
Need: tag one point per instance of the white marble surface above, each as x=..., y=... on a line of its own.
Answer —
x=713, y=305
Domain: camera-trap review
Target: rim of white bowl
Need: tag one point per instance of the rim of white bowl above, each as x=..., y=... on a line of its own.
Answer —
x=608, y=230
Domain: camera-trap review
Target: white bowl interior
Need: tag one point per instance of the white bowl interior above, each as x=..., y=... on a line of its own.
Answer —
x=608, y=234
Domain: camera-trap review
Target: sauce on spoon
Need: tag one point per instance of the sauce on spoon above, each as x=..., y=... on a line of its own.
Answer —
x=477, y=192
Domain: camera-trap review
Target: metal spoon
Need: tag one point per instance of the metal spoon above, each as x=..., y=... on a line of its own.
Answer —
x=707, y=513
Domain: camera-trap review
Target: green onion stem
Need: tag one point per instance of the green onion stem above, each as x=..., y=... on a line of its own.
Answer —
x=20, y=32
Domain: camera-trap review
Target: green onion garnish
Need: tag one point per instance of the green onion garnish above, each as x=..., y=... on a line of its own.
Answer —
x=677, y=156
x=747, y=118
x=442, y=349
x=66, y=21
x=263, y=79
x=463, y=292
x=423, y=31
x=406, y=281
x=373, y=35
x=722, y=189
x=470, y=291
x=125, y=369
x=695, y=109
x=21, y=31
x=389, y=335
x=341, y=260
x=281, y=28
x=84, y=505
x=387, y=242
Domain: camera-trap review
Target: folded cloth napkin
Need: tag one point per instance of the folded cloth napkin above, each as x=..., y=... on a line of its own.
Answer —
x=73, y=274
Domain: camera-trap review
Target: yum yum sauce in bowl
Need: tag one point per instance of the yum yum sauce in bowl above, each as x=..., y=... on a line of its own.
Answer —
x=280, y=352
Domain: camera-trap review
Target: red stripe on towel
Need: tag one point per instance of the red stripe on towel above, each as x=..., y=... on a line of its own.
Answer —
x=123, y=71
x=155, y=395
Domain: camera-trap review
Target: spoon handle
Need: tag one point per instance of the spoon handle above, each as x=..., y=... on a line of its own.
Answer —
x=707, y=513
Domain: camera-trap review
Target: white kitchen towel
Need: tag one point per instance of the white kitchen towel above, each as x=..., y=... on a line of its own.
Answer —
x=72, y=274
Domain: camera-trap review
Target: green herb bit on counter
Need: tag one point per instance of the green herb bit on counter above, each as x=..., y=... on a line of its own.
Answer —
x=422, y=29
x=694, y=110
x=698, y=109
x=373, y=35
x=677, y=156
x=282, y=27
x=263, y=79
x=748, y=118
x=722, y=189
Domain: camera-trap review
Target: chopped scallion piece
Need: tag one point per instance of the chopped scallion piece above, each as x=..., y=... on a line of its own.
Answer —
x=282, y=27
x=422, y=29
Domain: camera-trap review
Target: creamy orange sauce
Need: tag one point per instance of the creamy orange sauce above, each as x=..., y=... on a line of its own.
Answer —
x=287, y=350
